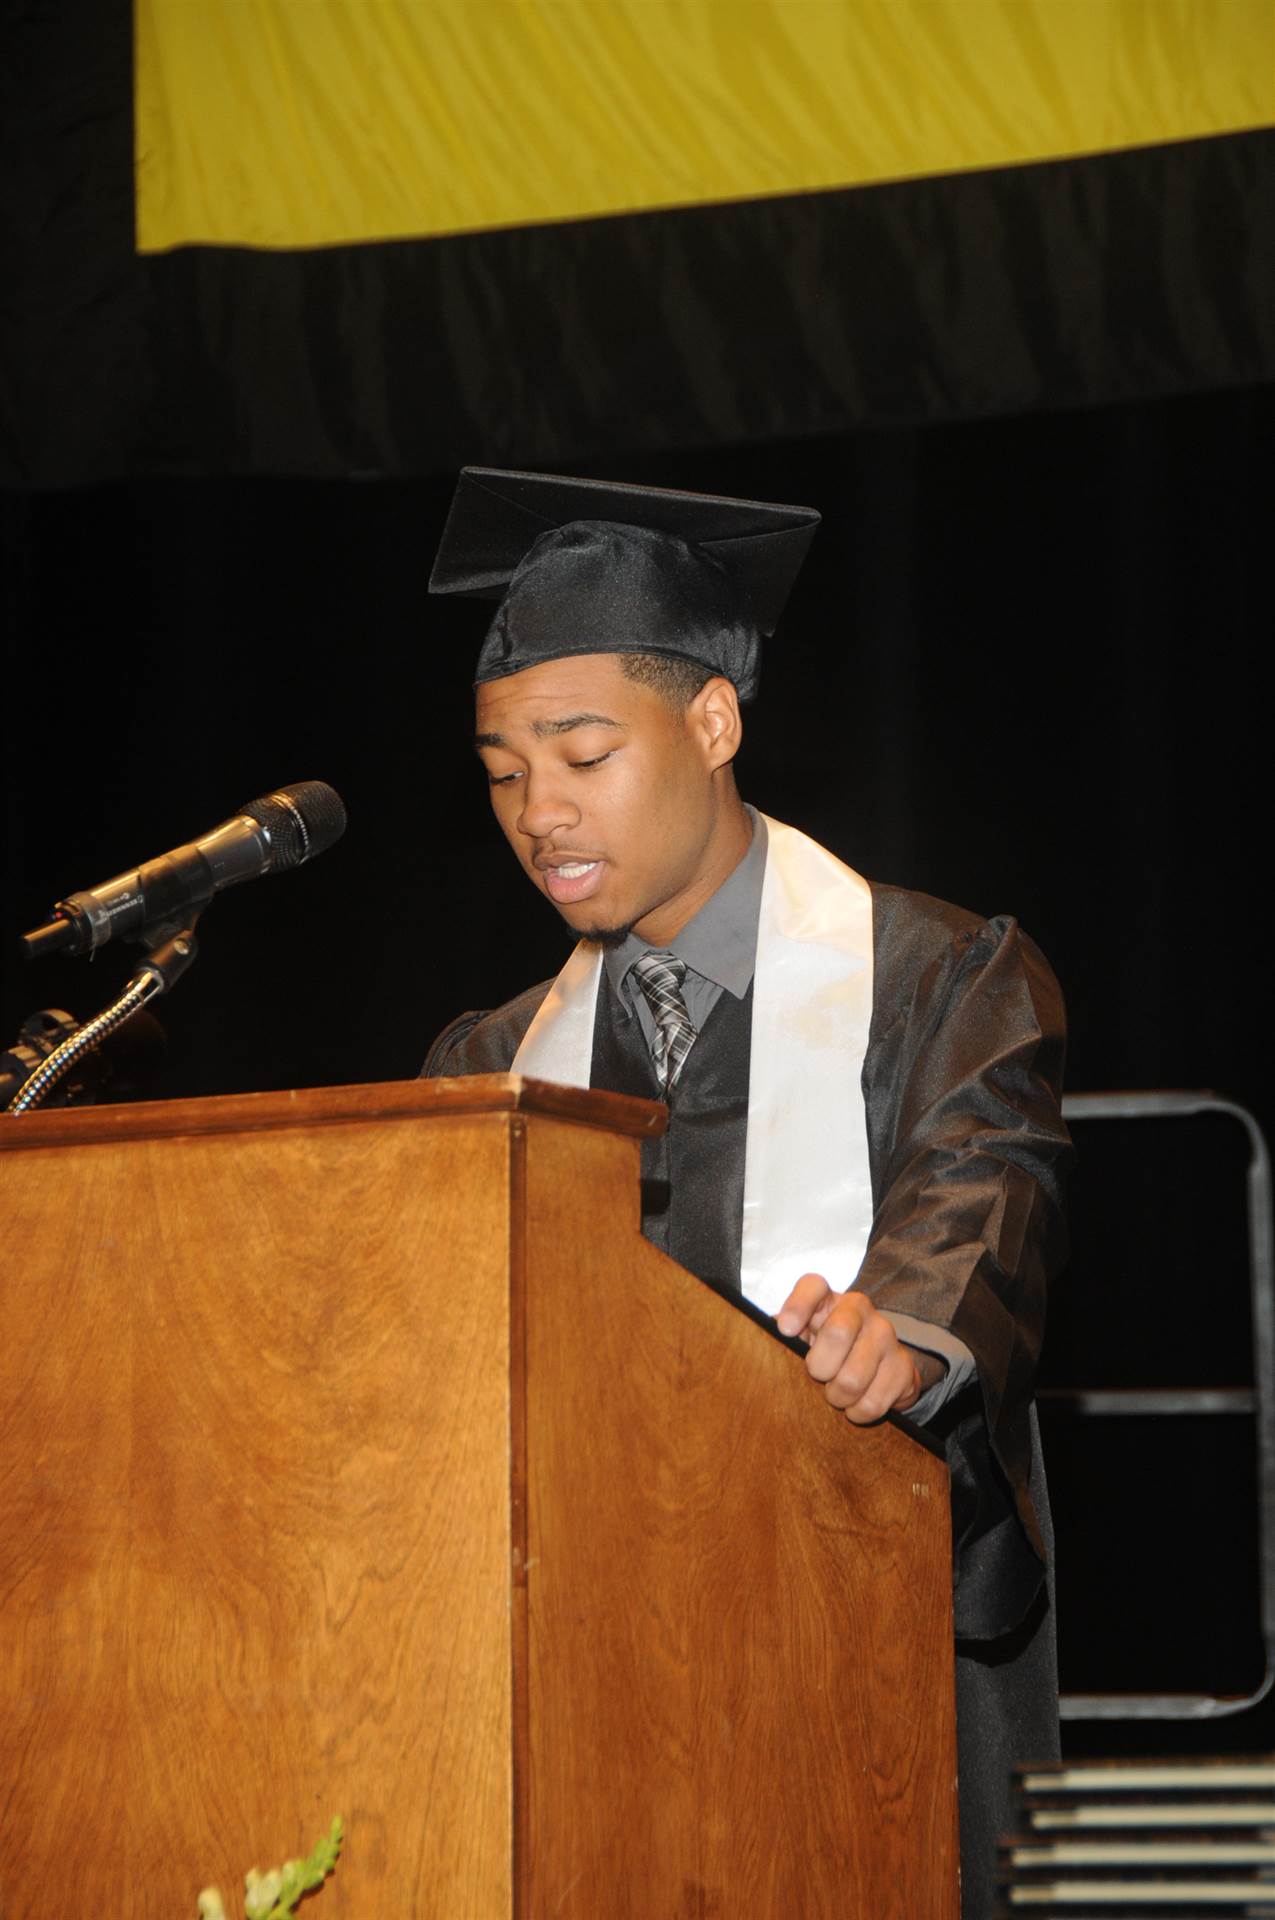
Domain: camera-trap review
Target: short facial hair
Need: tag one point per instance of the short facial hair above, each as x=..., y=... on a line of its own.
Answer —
x=607, y=936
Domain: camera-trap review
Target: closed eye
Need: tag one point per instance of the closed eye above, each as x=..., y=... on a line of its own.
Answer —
x=597, y=761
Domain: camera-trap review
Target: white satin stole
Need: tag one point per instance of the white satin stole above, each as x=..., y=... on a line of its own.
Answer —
x=807, y=1181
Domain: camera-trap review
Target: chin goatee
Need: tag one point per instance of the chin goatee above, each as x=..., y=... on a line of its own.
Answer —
x=607, y=936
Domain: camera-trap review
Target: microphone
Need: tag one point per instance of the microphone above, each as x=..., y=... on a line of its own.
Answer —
x=283, y=829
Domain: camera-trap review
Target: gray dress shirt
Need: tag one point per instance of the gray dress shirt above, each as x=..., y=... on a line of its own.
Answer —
x=719, y=949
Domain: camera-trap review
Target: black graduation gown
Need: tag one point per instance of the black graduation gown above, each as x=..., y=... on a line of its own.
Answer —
x=961, y=1083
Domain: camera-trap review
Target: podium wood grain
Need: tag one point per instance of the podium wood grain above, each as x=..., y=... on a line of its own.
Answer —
x=254, y=1501
x=357, y=1454
x=740, y=1647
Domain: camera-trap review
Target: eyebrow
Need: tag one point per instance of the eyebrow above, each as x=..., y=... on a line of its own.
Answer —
x=550, y=729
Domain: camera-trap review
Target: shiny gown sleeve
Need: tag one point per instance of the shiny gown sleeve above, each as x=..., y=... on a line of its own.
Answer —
x=962, y=1084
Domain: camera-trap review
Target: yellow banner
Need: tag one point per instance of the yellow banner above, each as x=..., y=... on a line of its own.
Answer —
x=308, y=123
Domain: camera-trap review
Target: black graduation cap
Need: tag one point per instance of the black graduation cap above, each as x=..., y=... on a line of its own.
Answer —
x=594, y=566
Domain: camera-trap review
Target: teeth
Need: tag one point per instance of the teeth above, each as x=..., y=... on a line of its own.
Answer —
x=576, y=868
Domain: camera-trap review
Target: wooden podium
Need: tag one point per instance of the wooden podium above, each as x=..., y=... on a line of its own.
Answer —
x=358, y=1456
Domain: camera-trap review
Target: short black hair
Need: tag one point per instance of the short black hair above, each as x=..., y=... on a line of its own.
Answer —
x=675, y=679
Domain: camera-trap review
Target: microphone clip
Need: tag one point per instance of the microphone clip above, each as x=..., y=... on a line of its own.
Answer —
x=176, y=952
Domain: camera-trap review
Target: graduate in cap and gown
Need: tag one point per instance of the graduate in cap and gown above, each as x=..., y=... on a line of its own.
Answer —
x=863, y=1083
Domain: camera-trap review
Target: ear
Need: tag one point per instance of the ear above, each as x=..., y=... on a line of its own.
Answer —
x=714, y=722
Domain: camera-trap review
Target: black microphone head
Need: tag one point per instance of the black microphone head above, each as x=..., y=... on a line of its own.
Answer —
x=299, y=821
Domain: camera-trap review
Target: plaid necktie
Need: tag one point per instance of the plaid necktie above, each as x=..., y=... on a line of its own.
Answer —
x=660, y=976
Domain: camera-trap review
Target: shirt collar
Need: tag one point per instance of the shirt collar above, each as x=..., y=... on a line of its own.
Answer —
x=720, y=943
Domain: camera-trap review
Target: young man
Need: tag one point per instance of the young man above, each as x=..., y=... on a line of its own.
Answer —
x=863, y=1083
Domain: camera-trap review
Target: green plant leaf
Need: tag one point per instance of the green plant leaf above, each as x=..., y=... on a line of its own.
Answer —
x=261, y=1892
x=268, y=1896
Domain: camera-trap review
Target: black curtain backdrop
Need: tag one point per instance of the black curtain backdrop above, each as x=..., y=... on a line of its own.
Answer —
x=1018, y=672
x=1085, y=280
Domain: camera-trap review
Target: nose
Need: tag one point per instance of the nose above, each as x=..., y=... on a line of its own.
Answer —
x=547, y=808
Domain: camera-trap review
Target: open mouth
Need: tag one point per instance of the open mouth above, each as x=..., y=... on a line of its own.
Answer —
x=575, y=880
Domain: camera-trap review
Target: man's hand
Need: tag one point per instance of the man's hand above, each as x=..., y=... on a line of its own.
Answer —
x=854, y=1351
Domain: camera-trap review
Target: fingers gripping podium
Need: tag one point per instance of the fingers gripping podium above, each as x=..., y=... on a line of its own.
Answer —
x=358, y=1455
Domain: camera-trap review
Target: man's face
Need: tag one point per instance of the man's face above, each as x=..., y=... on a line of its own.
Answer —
x=605, y=792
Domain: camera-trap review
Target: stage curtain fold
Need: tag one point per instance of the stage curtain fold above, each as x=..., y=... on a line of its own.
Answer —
x=388, y=236
x=305, y=123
